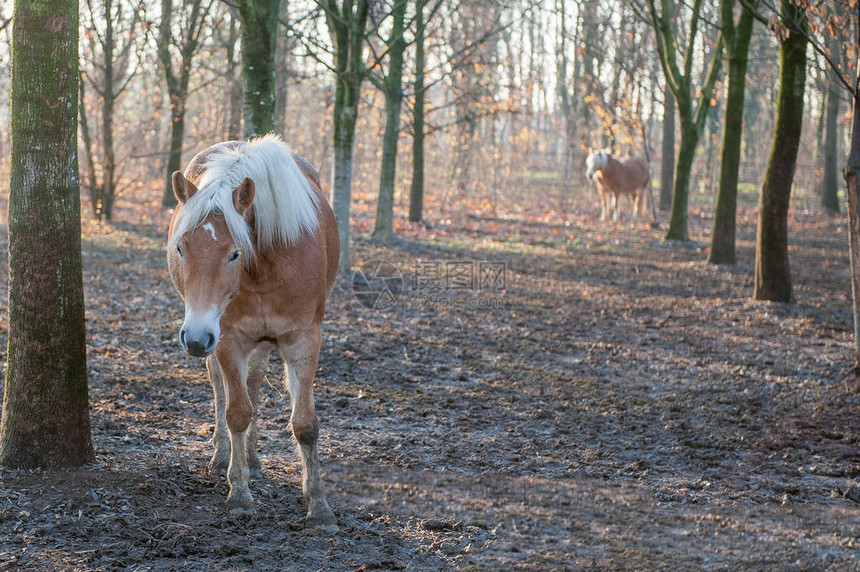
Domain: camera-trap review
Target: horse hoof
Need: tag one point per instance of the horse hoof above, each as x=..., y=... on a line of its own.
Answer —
x=218, y=465
x=254, y=468
x=321, y=516
x=217, y=470
x=239, y=510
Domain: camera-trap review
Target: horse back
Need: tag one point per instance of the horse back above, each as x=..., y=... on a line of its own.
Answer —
x=637, y=171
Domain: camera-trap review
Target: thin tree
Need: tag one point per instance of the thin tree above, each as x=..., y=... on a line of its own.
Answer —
x=667, y=162
x=112, y=31
x=416, y=189
x=347, y=25
x=693, y=104
x=391, y=86
x=737, y=41
x=45, y=420
x=177, y=83
x=772, y=267
x=259, y=35
x=829, y=182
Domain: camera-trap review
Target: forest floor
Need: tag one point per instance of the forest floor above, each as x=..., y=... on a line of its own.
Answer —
x=546, y=394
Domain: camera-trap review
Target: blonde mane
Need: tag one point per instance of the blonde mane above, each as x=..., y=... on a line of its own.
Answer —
x=285, y=205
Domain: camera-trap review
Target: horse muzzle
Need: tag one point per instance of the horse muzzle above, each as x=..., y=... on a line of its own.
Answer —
x=199, y=334
x=198, y=347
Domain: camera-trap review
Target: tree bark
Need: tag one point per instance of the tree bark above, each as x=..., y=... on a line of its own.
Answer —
x=103, y=206
x=416, y=191
x=737, y=47
x=667, y=165
x=393, y=89
x=348, y=32
x=45, y=420
x=772, y=268
x=680, y=198
x=852, y=183
x=829, y=183
x=259, y=34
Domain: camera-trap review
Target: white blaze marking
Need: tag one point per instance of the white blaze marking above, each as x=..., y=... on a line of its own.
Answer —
x=208, y=226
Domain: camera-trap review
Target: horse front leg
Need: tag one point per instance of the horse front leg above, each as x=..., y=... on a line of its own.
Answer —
x=301, y=364
x=257, y=366
x=238, y=414
x=221, y=438
x=613, y=206
x=604, y=200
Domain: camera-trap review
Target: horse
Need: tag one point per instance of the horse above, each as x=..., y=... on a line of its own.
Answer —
x=253, y=249
x=613, y=178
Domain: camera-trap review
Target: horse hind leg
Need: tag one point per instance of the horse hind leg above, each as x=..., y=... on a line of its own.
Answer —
x=301, y=364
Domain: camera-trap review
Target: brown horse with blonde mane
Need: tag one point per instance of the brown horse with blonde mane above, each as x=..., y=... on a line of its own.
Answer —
x=614, y=178
x=253, y=250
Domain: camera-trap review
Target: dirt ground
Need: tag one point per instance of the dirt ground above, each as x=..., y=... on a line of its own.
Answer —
x=544, y=394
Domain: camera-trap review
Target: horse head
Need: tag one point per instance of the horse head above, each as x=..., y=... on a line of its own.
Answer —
x=206, y=263
x=595, y=161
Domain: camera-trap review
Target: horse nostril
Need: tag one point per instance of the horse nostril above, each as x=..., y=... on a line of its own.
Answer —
x=182, y=338
x=210, y=341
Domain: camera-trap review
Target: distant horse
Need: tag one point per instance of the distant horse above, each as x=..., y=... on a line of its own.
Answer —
x=614, y=178
x=253, y=250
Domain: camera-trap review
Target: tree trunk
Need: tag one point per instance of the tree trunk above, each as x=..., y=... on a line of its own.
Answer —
x=852, y=184
x=416, y=192
x=346, y=115
x=103, y=206
x=830, y=184
x=45, y=419
x=259, y=34
x=772, y=270
x=347, y=26
x=667, y=166
x=723, y=232
x=282, y=72
x=680, y=198
x=174, y=158
x=177, y=86
x=234, y=77
x=384, y=226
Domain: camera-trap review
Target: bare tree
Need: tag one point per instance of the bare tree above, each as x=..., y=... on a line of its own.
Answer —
x=190, y=26
x=693, y=102
x=391, y=85
x=111, y=34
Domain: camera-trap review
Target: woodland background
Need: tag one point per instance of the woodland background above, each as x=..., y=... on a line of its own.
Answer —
x=518, y=93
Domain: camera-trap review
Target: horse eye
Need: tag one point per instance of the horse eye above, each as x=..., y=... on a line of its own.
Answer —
x=234, y=256
x=179, y=250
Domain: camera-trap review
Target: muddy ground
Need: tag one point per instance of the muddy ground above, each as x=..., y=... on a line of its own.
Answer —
x=589, y=397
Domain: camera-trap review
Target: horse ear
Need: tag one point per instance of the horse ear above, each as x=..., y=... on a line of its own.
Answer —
x=182, y=187
x=243, y=195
